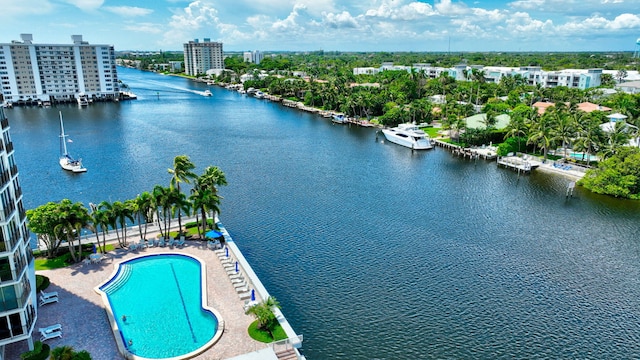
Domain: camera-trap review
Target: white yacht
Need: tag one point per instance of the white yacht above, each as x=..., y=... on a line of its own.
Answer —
x=207, y=93
x=83, y=100
x=408, y=135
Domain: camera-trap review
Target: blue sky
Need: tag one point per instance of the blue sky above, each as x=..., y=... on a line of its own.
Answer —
x=344, y=25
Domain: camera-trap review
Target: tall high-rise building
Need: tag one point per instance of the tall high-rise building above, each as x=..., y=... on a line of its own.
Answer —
x=57, y=72
x=17, y=272
x=200, y=57
x=253, y=56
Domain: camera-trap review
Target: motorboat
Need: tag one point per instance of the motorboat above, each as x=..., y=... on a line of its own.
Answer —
x=66, y=161
x=207, y=93
x=409, y=135
x=338, y=119
x=83, y=100
x=258, y=94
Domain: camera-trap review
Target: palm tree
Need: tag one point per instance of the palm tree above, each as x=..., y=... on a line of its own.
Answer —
x=204, y=200
x=122, y=212
x=179, y=206
x=181, y=172
x=144, y=213
x=564, y=130
x=100, y=223
x=616, y=138
x=517, y=126
x=589, y=136
x=161, y=203
x=263, y=312
x=110, y=217
x=72, y=218
x=542, y=133
x=479, y=77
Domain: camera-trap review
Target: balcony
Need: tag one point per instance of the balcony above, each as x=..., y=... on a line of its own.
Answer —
x=9, y=147
x=4, y=123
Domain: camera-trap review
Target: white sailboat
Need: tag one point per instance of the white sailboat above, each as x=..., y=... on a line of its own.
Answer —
x=66, y=161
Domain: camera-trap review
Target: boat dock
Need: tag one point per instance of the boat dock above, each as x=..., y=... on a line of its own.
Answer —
x=487, y=153
x=519, y=164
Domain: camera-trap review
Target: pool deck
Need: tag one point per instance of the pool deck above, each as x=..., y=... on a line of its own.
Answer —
x=85, y=325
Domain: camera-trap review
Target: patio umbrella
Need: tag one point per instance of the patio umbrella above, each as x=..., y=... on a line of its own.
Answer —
x=253, y=295
x=236, y=266
x=94, y=249
x=213, y=234
x=226, y=251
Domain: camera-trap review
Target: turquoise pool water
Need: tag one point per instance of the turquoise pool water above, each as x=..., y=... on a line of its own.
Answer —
x=585, y=157
x=156, y=301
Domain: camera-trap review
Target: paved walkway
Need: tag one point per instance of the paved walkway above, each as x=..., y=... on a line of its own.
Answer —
x=84, y=320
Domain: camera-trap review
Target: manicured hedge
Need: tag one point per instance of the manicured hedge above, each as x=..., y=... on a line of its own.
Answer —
x=40, y=352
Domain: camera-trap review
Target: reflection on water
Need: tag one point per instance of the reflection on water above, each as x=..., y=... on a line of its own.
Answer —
x=373, y=251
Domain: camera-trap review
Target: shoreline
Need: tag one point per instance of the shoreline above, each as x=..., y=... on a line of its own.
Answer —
x=72, y=282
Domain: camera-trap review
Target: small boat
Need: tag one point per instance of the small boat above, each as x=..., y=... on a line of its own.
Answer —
x=338, y=119
x=207, y=93
x=408, y=135
x=66, y=161
x=258, y=94
x=83, y=100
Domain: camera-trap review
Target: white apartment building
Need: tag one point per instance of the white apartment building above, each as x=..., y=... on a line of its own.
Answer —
x=200, y=57
x=573, y=78
x=18, y=307
x=57, y=72
x=253, y=57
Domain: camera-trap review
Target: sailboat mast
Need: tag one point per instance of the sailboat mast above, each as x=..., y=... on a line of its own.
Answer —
x=63, y=137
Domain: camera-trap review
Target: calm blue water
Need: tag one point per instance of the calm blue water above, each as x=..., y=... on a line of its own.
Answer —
x=373, y=251
x=161, y=298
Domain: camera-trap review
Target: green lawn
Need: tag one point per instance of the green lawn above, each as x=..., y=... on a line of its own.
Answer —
x=265, y=336
x=431, y=131
x=43, y=263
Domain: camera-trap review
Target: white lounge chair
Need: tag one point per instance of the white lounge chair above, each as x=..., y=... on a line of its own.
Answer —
x=151, y=243
x=51, y=335
x=47, y=295
x=171, y=242
x=45, y=301
x=50, y=329
x=161, y=242
x=180, y=242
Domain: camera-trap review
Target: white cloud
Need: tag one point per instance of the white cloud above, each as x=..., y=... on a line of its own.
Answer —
x=86, y=5
x=447, y=8
x=483, y=15
x=187, y=22
x=522, y=25
x=527, y=4
x=128, y=11
x=12, y=8
x=149, y=28
x=342, y=20
x=289, y=23
x=625, y=21
x=396, y=10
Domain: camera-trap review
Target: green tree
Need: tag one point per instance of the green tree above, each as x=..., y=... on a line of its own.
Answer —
x=42, y=221
x=144, y=211
x=182, y=172
x=263, y=312
x=618, y=175
x=72, y=218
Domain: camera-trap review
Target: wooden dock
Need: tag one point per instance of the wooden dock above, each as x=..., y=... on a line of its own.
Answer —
x=471, y=153
x=518, y=164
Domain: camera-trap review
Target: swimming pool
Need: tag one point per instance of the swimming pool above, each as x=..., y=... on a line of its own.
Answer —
x=583, y=156
x=157, y=305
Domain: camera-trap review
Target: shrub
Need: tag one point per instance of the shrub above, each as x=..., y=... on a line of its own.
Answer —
x=42, y=282
x=40, y=352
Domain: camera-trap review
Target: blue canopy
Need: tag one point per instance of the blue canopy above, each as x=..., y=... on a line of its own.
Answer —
x=213, y=234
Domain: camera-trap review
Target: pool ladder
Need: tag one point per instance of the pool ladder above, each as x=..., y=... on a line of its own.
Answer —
x=123, y=276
